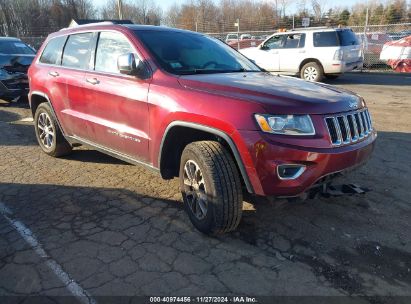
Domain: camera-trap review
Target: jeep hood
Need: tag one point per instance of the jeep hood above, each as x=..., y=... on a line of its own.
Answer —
x=277, y=94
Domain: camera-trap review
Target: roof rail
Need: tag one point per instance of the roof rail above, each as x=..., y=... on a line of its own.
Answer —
x=312, y=28
x=91, y=22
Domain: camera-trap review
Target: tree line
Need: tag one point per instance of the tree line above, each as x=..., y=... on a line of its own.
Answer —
x=35, y=18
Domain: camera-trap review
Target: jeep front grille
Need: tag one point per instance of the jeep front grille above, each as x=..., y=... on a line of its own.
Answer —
x=349, y=128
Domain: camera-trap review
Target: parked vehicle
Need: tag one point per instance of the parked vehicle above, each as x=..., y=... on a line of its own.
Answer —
x=15, y=59
x=399, y=35
x=245, y=43
x=397, y=54
x=187, y=105
x=311, y=53
x=245, y=36
x=371, y=44
x=231, y=38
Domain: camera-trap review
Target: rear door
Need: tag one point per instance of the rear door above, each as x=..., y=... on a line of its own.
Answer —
x=71, y=76
x=116, y=104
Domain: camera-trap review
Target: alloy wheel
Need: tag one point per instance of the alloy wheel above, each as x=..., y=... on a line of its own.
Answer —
x=46, y=130
x=195, y=189
x=310, y=73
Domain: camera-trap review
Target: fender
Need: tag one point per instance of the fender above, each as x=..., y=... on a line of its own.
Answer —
x=214, y=131
x=44, y=95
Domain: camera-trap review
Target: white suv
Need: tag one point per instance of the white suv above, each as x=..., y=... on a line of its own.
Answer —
x=310, y=53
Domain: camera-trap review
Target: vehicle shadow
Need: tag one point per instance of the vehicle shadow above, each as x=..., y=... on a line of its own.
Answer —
x=93, y=156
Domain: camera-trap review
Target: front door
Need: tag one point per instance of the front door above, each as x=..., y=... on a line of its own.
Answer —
x=117, y=109
x=268, y=57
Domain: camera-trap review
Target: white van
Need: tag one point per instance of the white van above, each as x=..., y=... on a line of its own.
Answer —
x=311, y=53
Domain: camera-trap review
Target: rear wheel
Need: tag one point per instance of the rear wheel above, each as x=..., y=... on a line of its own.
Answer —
x=48, y=133
x=312, y=71
x=211, y=187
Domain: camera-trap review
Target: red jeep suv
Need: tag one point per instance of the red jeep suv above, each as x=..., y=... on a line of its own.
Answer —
x=187, y=105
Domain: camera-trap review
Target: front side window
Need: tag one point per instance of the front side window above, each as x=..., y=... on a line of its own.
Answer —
x=77, y=51
x=274, y=42
x=325, y=39
x=294, y=41
x=53, y=50
x=190, y=53
x=110, y=46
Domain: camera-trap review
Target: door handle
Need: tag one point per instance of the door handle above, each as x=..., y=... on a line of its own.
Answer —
x=274, y=52
x=53, y=73
x=302, y=51
x=93, y=81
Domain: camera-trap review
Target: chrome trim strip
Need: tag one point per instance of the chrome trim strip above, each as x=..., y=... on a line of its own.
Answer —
x=296, y=175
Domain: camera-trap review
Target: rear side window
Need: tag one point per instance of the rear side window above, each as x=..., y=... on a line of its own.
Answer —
x=324, y=39
x=294, y=41
x=110, y=46
x=347, y=37
x=77, y=51
x=53, y=50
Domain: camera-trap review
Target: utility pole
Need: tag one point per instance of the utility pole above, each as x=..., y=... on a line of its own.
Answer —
x=238, y=33
x=120, y=9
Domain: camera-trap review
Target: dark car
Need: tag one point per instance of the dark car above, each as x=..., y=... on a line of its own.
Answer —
x=15, y=59
x=187, y=105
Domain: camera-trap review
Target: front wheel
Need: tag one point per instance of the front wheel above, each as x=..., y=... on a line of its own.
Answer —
x=312, y=71
x=211, y=187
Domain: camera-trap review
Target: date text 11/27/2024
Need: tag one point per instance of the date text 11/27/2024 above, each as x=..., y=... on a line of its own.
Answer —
x=234, y=299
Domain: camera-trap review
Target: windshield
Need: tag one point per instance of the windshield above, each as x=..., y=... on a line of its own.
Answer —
x=185, y=53
x=347, y=37
x=15, y=47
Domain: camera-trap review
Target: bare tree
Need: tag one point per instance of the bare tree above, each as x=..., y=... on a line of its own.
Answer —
x=318, y=8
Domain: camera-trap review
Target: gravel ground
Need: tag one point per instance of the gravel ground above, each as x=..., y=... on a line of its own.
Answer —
x=110, y=228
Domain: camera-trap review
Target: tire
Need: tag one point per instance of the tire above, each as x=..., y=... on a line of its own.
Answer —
x=312, y=71
x=331, y=76
x=216, y=183
x=51, y=141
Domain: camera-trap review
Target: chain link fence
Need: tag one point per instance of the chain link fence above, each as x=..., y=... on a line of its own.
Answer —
x=372, y=37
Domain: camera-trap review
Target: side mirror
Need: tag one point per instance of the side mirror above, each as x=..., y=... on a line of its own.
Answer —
x=128, y=64
x=263, y=47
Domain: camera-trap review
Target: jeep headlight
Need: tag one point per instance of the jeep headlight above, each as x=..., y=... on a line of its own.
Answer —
x=286, y=124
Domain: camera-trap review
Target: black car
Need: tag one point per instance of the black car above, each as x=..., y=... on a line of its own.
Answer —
x=15, y=59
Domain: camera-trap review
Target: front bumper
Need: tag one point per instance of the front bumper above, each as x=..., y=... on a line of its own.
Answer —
x=14, y=87
x=267, y=155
